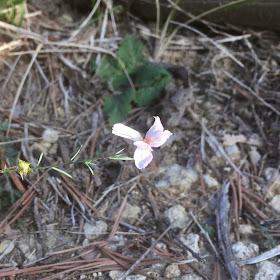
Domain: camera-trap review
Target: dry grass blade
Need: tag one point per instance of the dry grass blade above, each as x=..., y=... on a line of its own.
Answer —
x=218, y=46
x=132, y=268
x=252, y=92
x=86, y=21
x=79, y=194
x=223, y=232
x=262, y=257
x=215, y=141
x=251, y=205
x=21, y=85
x=118, y=218
x=235, y=209
x=206, y=235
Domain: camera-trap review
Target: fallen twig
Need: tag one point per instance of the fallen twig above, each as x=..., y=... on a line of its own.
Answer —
x=223, y=233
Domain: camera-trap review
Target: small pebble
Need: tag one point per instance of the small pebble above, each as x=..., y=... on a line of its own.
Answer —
x=267, y=271
x=172, y=271
x=246, y=229
x=4, y=245
x=50, y=136
x=177, y=179
x=275, y=203
x=178, y=215
x=131, y=213
x=243, y=252
x=191, y=240
x=94, y=231
x=191, y=276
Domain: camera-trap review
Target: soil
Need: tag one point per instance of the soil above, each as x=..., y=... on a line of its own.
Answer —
x=207, y=202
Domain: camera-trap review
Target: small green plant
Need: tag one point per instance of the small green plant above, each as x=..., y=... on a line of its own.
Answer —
x=12, y=11
x=23, y=167
x=148, y=80
x=8, y=194
x=270, y=241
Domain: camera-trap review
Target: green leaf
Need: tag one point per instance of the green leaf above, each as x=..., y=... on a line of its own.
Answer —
x=120, y=157
x=61, y=171
x=117, y=107
x=73, y=157
x=40, y=159
x=90, y=169
x=130, y=52
x=150, y=79
x=109, y=68
x=9, y=152
x=4, y=125
x=119, y=152
x=120, y=83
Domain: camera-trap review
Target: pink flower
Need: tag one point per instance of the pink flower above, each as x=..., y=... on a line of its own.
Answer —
x=155, y=137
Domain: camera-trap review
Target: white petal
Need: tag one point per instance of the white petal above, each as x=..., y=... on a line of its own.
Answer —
x=142, y=155
x=157, y=126
x=156, y=136
x=126, y=132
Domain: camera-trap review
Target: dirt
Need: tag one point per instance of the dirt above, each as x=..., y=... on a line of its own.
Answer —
x=222, y=107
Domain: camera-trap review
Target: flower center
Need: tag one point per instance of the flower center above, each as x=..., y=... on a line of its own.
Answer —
x=148, y=141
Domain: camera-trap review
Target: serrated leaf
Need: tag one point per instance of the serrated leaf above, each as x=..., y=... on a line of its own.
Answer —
x=120, y=83
x=150, y=79
x=130, y=52
x=118, y=107
x=109, y=68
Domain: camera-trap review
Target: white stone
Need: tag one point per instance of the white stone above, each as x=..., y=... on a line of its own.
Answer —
x=156, y=269
x=177, y=178
x=95, y=231
x=50, y=136
x=178, y=215
x=271, y=173
x=4, y=245
x=131, y=213
x=246, y=229
x=244, y=252
x=117, y=242
x=267, y=271
x=115, y=274
x=23, y=247
x=172, y=271
x=191, y=276
x=136, y=277
x=191, y=240
x=210, y=181
x=233, y=152
x=275, y=203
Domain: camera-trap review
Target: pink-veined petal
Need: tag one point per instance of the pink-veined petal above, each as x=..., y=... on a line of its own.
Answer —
x=159, y=138
x=126, y=132
x=156, y=136
x=157, y=126
x=142, y=155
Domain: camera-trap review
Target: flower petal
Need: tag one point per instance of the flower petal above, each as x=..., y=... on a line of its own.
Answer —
x=157, y=126
x=126, y=132
x=156, y=136
x=142, y=155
